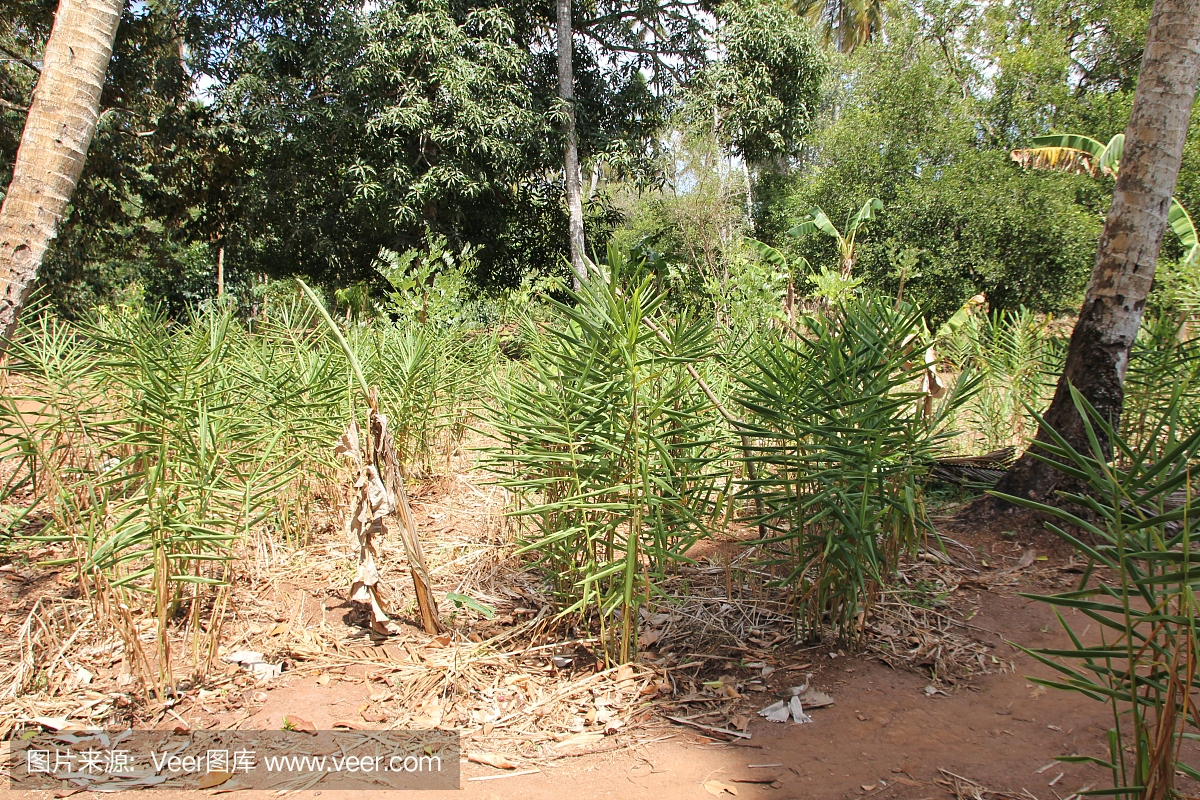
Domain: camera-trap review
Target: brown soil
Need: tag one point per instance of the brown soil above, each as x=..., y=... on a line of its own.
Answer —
x=883, y=737
x=893, y=731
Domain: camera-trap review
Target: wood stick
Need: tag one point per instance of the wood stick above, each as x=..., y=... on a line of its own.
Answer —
x=709, y=728
x=506, y=775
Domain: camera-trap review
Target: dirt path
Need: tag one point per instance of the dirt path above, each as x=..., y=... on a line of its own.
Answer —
x=884, y=732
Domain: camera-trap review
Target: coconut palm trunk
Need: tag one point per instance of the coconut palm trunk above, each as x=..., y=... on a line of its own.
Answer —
x=58, y=129
x=566, y=91
x=1129, y=244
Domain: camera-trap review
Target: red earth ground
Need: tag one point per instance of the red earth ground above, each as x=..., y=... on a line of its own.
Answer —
x=885, y=736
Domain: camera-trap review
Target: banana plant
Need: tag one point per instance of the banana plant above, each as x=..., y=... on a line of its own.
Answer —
x=960, y=317
x=818, y=220
x=1070, y=152
x=1180, y=221
x=778, y=260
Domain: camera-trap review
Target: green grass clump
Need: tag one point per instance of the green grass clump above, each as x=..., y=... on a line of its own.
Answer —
x=842, y=448
x=609, y=446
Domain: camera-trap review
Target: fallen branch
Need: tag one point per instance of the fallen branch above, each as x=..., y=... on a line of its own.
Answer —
x=708, y=728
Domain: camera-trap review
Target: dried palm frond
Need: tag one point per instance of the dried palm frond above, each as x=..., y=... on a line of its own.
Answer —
x=987, y=468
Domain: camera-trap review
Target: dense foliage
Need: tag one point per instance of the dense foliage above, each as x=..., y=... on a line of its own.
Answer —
x=307, y=138
x=303, y=137
x=905, y=129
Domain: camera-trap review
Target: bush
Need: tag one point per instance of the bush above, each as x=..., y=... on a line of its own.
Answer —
x=156, y=447
x=608, y=445
x=841, y=445
x=1018, y=360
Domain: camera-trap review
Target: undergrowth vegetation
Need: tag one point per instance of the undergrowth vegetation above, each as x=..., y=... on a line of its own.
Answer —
x=626, y=428
x=324, y=288
x=627, y=435
x=150, y=448
x=1162, y=386
x=614, y=452
x=1018, y=359
x=1136, y=515
x=843, y=447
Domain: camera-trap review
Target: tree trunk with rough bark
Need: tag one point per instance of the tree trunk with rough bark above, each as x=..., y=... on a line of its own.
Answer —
x=1128, y=251
x=58, y=129
x=572, y=179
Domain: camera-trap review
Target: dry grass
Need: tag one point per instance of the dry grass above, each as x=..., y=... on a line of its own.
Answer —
x=918, y=624
x=526, y=684
x=966, y=789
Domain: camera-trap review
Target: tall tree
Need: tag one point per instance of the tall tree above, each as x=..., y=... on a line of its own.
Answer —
x=639, y=51
x=572, y=177
x=1129, y=245
x=141, y=214
x=58, y=129
x=359, y=127
x=899, y=127
x=762, y=91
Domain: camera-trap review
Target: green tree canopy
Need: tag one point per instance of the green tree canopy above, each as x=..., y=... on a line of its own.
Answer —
x=764, y=89
x=924, y=121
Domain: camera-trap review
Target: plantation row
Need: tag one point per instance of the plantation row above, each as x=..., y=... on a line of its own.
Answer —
x=625, y=428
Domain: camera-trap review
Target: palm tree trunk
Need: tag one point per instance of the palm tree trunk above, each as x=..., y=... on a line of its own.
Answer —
x=1128, y=251
x=566, y=91
x=62, y=118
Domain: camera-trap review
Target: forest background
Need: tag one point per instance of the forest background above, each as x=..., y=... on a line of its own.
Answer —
x=261, y=139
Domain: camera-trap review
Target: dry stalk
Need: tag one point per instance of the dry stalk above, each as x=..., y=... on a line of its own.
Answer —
x=384, y=456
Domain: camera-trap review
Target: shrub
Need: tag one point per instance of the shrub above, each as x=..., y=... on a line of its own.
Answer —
x=608, y=444
x=841, y=446
x=1018, y=360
